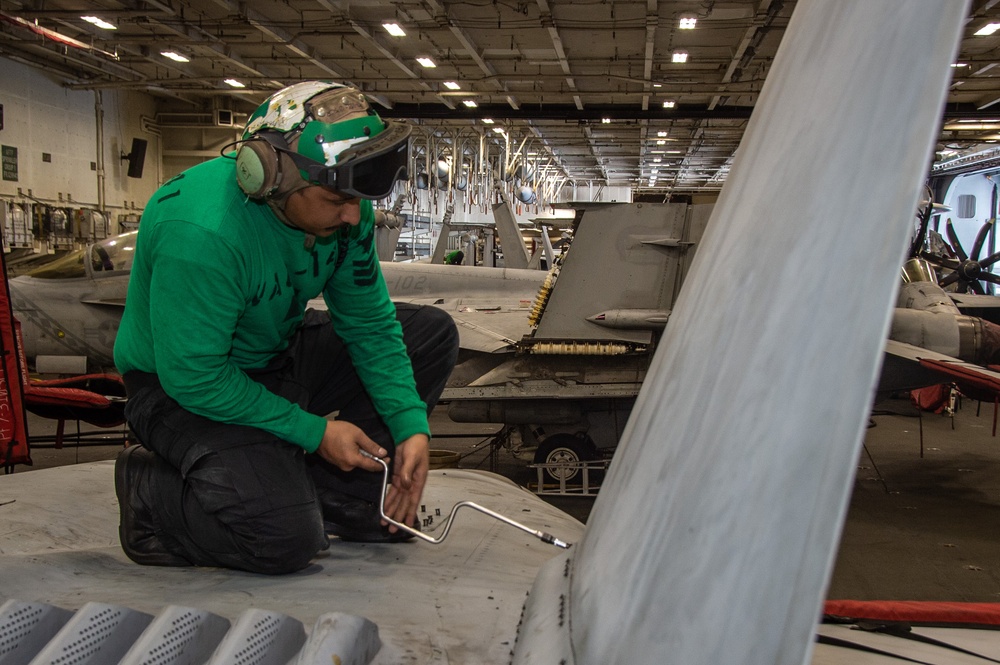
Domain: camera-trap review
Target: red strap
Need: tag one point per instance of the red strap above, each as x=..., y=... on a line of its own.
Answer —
x=63, y=397
x=963, y=374
x=914, y=611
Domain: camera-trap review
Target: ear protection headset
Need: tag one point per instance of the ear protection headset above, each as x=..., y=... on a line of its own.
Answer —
x=259, y=170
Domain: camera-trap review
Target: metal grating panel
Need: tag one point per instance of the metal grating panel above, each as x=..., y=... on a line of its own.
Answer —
x=99, y=634
x=261, y=638
x=178, y=635
x=96, y=635
x=25, y=628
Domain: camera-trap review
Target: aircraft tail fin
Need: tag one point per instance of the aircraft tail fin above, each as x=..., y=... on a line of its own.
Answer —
x=714, y=534
x=625, y=261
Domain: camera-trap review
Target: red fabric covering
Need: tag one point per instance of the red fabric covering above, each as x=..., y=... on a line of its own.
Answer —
x=916, y=612
x=14, y=448
x=971, y=382
x=931, y=398
x=84, y=397
x=64, y=396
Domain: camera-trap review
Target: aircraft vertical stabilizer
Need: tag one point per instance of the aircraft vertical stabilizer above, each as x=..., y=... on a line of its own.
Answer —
x=713, y=537
x=623, y=257
x=515, y=253
x=442, y=242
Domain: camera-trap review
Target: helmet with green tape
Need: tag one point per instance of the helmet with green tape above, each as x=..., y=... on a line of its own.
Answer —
x=320, y=133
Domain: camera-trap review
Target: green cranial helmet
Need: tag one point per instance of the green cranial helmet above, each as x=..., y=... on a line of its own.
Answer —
x=331, y=137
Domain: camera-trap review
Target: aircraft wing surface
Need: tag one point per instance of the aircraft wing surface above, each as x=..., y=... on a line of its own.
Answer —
x=110, y=302
x=457, y=602
x=906, y=367
x=485, y=325
x=986, y=307
x=974, y=301
x=490, y=306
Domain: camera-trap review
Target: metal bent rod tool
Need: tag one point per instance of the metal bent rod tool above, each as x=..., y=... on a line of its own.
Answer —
x=541, y=535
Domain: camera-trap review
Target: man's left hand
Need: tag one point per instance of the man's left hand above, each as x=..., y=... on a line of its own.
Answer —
x=408, y=479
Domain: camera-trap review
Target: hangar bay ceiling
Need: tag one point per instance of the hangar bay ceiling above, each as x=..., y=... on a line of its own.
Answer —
x=652, y=95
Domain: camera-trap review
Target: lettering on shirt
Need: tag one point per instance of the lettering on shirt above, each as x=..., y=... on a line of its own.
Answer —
x=171, y=195
x=276, y=289
x=257, y=297
x=342, y=240
x=365, y=273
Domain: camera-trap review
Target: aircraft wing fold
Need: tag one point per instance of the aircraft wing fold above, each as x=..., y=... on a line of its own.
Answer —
x=907, y=367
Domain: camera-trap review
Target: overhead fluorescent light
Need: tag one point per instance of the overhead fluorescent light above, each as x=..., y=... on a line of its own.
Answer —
x=394, y=29
x=99, y=22
x=959, y=64
x=487, y=121
x=176, y=57
x=605, y=121
x=967, y=126
x=234, y=83
x=661, y=142
x=987, y=30
x=669, y=104
x=470, y=103
x=451, y=85
x=679, y=56
x=498, y=130
x=687, y=22
x=661, y=134
x=426, y=62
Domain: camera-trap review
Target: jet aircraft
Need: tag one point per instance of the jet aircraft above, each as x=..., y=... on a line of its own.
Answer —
x=557, y=357
x=712, y=542
x=72, y=306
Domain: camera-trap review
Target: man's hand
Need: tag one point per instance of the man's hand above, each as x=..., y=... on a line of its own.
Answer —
x=342, y=445
x=408, y=479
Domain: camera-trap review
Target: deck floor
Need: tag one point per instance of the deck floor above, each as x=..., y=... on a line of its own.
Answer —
x=920, y=524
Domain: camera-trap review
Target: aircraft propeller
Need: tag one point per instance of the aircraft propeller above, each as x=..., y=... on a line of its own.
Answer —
x=968, y=271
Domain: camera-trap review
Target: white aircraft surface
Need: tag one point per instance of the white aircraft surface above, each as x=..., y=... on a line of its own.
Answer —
x=72, y=306
x=713, y=538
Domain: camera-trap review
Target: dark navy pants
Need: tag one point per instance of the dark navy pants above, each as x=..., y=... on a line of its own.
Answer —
x=239, y=497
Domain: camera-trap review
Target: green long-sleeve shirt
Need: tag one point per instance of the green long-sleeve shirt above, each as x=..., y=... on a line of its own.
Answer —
x=219, y=285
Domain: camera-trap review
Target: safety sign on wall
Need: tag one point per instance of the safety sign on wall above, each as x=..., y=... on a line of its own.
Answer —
x=8, y=153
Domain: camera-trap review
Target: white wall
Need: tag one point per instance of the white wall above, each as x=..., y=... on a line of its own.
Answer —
x=42, y=116
x=978, y=185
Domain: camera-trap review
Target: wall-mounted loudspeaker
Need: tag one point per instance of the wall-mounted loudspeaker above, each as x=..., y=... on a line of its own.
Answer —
x=136, y=158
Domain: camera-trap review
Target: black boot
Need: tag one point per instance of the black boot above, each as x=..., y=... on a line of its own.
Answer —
x=355, y=520
x=136, y=529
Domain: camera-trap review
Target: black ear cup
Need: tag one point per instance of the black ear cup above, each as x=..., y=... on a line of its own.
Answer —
x=258, y=169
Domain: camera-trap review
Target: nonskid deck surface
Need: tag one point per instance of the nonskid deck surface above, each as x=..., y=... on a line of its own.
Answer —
x=919, y=528
x=59, y=546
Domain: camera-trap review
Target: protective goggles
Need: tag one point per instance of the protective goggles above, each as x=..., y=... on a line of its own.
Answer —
x=368, y=170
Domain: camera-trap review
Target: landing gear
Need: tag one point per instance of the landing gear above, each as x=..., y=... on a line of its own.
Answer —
x=567, y=449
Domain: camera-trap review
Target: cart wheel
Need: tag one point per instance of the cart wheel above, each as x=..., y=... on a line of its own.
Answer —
x=566, y=449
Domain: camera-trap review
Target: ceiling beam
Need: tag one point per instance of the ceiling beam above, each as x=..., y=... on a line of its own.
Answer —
x=568, y=112
x=652, y=19
x=549, y=24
